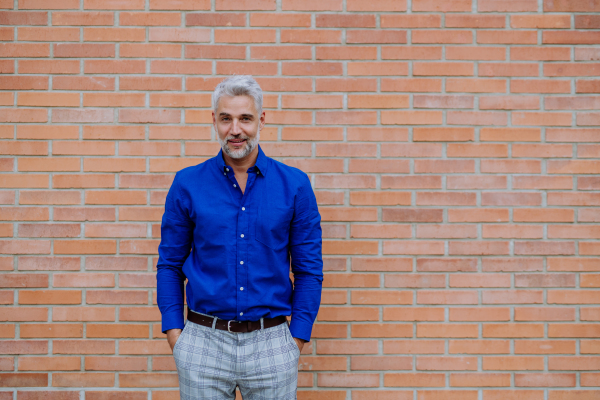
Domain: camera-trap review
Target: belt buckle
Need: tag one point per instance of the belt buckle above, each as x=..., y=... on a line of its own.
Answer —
x=229, y=326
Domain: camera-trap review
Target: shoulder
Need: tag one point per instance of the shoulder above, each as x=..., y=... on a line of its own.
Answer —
x=295, y=177
x=188, y=174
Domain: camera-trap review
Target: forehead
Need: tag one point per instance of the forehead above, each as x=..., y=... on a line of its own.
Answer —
x=236, y=105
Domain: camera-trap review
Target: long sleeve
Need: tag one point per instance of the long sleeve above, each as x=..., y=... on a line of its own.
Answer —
x=176, y=239
x=307, y=262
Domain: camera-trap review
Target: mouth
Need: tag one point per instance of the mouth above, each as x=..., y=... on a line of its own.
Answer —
x=236, y=142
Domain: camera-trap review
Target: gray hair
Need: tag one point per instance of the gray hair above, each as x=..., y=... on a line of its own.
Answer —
x=239, y=85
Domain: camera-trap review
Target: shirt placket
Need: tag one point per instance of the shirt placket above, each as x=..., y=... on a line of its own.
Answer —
x=242, y=236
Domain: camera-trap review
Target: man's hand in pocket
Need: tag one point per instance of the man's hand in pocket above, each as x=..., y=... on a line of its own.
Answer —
x=172, y=336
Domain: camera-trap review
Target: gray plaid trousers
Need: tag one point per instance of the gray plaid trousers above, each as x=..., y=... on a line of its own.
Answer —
x=211, y=363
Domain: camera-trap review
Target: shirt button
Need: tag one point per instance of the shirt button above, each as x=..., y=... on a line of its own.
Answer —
x=242, y=235
x=227, y=169
x=242, y=288
x=241, y=313
x=224, y=173
x=241, y=262
x=243, y=208
x=234, y=185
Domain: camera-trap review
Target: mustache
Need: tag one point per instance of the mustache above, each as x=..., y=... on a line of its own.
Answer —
x=237, y=138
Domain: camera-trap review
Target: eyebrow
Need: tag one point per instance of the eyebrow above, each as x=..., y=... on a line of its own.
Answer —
x=224, y=114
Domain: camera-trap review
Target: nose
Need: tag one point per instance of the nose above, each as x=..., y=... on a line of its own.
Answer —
x=235, y=128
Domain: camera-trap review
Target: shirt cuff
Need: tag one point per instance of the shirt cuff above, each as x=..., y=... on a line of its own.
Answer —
x=172, y=320
x=300, y=329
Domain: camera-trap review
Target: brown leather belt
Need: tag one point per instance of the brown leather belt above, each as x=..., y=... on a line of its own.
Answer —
x=232, y=325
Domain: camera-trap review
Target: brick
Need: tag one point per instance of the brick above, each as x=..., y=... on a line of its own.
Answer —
x=24, y=314
x=301, y=20
x=322, y=20
x=113, y=100
x=507, y=37
x=517, y=363
x=412, y=247
x=347, y=347
x=430, y=36
x=150, y=19
x=179, y=35
x=544, y=314
x=215, y=51
x=382, y=330
x=149, y=50
x=412, y=346
x=576, y=37
x=449, y=6
x=114, y=67
x=507, y=6
x=13, y=379
x=83, y=379
x=48, y=67
x=564, y=69
x=346, y=53
x=83, y=83
x=48, y=34
x=179, y=5
x=49, y=363
x=413, y=380
x=24, y=49
x=540, y=53
x=447, y=330
x=346, y=85
x=411, y=52
x=446, y=297
x=448, y=363
x=244, y=36
x=544, y=347
x=442, y=68
x=23, y=17
x=96, y=18
x=475, y=53
x=413, y=314
x=376, y=5
x=285, y=53
x=82, y=115
x=310, y=68
x=348, y=380
x=474, y=21
x=31, y=99
x=541, y=21
x=478, y=314
x=570, y=6
x=379, y=362
x=539, y=86
x=479, y=379
x=387, y=36
x=475, y=85
x=86, y=50
x=586, y=22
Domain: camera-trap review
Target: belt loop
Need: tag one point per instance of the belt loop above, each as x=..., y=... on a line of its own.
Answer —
x=262, y=324
x=214, y=324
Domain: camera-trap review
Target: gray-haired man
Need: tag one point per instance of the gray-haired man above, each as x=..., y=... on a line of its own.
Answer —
x=232, y=226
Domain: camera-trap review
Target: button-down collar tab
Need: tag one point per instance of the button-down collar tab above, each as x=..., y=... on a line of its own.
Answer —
x=262, y=162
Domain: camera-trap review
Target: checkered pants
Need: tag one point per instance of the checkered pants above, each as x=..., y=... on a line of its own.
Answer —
x=211, y=363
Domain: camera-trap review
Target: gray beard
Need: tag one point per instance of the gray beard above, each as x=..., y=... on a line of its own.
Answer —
x=241, y=153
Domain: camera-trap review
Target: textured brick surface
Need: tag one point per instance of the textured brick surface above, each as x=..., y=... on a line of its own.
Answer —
x=454, y=149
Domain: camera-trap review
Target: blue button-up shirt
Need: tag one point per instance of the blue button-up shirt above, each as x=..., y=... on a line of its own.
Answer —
x=235, y=248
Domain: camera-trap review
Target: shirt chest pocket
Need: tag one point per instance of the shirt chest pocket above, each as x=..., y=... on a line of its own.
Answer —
x=272, y=227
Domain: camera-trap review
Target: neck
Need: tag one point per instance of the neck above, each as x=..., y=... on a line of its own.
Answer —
x=241, y=164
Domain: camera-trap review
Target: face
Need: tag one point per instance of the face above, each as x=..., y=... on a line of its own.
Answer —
x=238, y=125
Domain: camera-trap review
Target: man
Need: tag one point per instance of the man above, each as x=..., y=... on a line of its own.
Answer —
x=231, y=225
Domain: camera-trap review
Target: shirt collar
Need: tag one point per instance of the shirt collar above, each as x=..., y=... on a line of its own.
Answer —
x=262, y=161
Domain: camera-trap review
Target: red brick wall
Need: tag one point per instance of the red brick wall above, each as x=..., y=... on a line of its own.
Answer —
x=454, y=146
